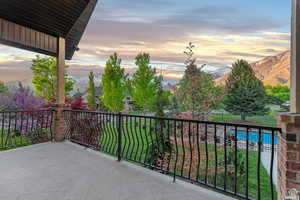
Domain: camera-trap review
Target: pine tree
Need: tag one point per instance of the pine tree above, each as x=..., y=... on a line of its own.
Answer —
x=245, y=93
x=160, y=99
x=92, y=92
x=114, y=84
x=163, y=145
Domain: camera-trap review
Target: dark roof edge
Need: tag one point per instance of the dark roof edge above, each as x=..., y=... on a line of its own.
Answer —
x=28, y=48
x=75, y=34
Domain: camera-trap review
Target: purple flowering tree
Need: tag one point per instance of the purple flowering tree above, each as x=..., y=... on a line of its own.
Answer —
x=23, y=116
x=20, y=99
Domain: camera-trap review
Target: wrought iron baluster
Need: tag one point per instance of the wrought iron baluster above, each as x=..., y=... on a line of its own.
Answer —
x=258, y=165
x=216, y=155
x=225, y=157
x=132, y=138
x=191, y=150
x=147, y=141
x=206, y=154
x=176, y=146
x=142, y=140
x=119, y=137
x=271, y=165
x=183, y=147
x=2, y=130
x=198, y=152
x=235, y=159
x=170, y=146
x=247, y=163
x=128, y=138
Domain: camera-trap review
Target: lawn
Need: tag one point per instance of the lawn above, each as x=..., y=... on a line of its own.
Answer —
x=8, y=140
x=209, y=175
x=267, y=120
x=12, y=140
x=134, y=145
x=265, y=184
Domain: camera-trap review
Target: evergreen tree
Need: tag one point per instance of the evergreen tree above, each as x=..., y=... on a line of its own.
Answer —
x=143, y=84
x=92, y=92
x=245, y=93
x=158, y=150
x=45, y=77
x=160, y=98
x=114, y=82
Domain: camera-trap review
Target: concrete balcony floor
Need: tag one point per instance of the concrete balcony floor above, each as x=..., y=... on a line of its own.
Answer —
x=66, y=171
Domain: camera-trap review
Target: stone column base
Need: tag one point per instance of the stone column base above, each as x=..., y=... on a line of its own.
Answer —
x=59, y=124
x=288, y=154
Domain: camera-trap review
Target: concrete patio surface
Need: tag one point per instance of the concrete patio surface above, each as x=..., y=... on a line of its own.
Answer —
x=66, y=171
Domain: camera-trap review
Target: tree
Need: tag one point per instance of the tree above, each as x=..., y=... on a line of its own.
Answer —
x=21, y=99
x=160, y=98
x=281, y=92
x=45, y=77
x=197, y=91
x=245, y=93
x=158, y=150
x=114, y=84
x=174, y=104
x=92, y=92
x=143, y=84
x=3, y=88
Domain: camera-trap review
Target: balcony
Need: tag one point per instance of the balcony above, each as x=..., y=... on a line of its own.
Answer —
x=160, y=158
x=235, y=159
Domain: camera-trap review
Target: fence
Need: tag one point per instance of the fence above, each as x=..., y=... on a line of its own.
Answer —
x=233, y=158
x=266, y=120
x=21, y=128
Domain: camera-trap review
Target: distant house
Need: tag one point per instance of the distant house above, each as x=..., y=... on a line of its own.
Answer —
x=99, y=91
x=170, y=87
x=84, y=95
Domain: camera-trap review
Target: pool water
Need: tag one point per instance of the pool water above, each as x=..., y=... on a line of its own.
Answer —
x=266, y=138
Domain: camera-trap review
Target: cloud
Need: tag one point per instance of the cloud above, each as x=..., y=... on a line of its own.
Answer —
x=163, y=28
x=221, y=31
x=220, y=19
x=247, y=55
x=151, y=3
x=271, y=51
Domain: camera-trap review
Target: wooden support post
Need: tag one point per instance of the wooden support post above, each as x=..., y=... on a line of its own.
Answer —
x=61, y=71
x=295, y=57
x=60, y=124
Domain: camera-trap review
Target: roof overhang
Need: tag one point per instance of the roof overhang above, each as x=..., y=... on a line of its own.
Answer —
x=37, y=25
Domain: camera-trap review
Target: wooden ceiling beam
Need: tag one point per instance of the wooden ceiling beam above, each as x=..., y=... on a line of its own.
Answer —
x=47, y=19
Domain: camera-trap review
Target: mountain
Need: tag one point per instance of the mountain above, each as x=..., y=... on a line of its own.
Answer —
x=272, y=70
x=15, y=84
x=217, y=72
x=81, y=83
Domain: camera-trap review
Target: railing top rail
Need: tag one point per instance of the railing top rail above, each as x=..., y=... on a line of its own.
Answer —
x=20, y=111
x=183, y=120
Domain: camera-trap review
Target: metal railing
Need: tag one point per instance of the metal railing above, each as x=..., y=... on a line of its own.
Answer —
x=233, y=158
x=22, y=128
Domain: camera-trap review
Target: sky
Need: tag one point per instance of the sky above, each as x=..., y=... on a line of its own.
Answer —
x=222, y=31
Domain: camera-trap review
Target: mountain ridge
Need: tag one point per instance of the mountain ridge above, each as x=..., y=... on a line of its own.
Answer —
x=271, y=70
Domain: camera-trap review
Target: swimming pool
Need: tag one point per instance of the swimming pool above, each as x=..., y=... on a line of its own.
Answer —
x=253, y=137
